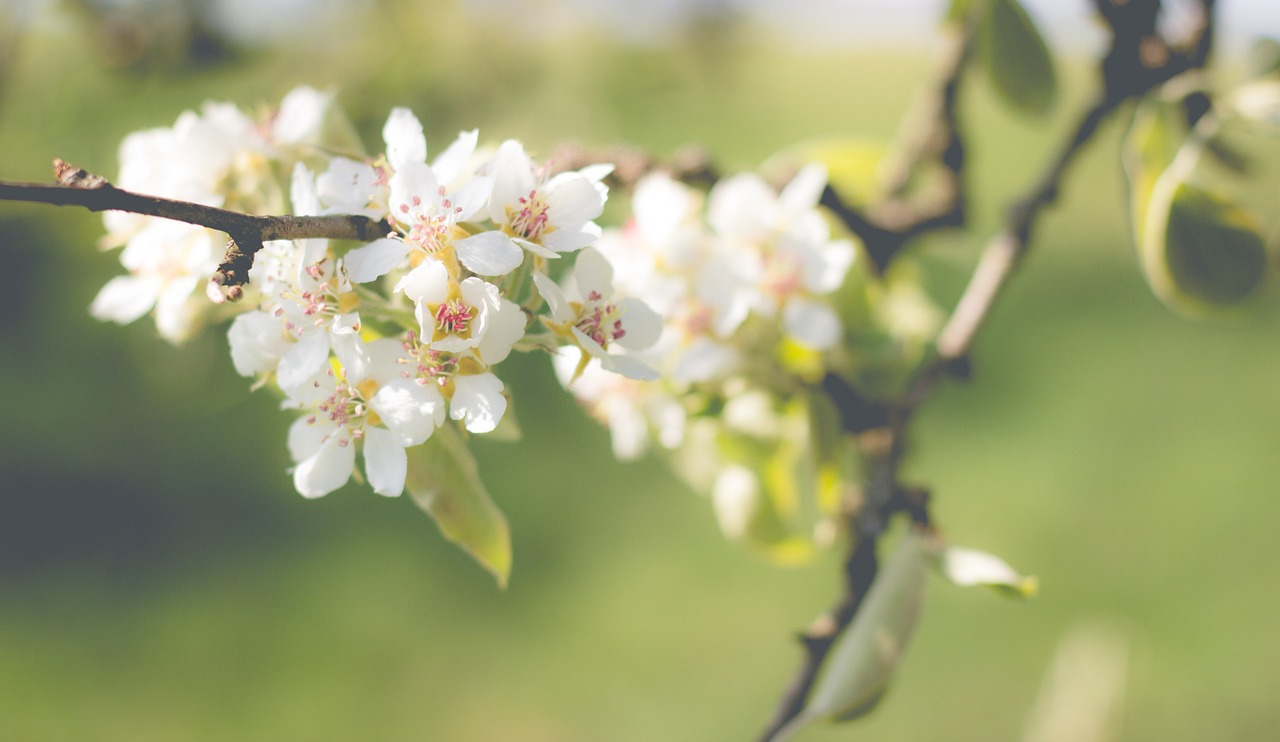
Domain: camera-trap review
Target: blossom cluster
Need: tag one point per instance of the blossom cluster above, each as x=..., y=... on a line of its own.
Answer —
x=377, y=345
x=706, y=323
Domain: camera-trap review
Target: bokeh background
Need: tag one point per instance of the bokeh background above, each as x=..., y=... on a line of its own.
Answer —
x=160, y=580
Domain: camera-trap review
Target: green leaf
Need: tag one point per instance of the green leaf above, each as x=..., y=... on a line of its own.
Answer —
x=444, y=482
x=1200, y=251
x=969, y=567
x=1157, y=132
x=1016, y=59
x=1264, y=58
x=862, y=661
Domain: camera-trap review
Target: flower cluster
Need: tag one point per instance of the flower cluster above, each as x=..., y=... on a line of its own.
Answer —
x=706, y=323
x=378, y=345
x=744, y=283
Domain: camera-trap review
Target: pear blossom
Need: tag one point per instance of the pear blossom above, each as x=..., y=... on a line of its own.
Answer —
x=456, y=316
x=168, y=263
x=786, y=249
x=546, y=216
x=596, y=322
x=474, y=393
x=365, y=401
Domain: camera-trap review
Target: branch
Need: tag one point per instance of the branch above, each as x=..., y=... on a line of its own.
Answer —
x=76, y=187
x=1133, y=25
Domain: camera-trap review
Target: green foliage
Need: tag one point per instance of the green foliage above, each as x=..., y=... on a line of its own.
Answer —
x=444, y=482
x=1015, y=58
x=863, y=659
x=1200, y=250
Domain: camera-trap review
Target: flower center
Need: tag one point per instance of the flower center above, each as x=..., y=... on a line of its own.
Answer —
x=530, y=221
x=429, y=230
x=347, y=408
x=601, y=321
x=454, y=318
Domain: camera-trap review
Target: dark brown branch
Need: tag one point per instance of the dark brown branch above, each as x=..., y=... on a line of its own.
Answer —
x=76, y=187
x=1127, y=73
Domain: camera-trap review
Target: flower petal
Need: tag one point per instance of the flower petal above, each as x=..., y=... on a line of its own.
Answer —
x=810, y=323
x=555, y=298
x=375, y=259
x=450, y=161
x=478, y=401
x=408, y=409
x=404, y=138
x=489, y=254
x=303, y=360
x=385, y=462
x=642, y=324
x=328, y=468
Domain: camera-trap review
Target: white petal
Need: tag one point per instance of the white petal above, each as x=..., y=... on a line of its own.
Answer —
x=593, y=274
x=472, y=198
x=404, y=138
x=742, y=207
x=305, y=438
x=328, y=468
x=506, y=327
x=408, y=409
x=375, y=259
x=385, y=462
x=257, y=340
x=535, y=248
x=573, y=200
x=125, y=298
x=303, y=360
x=827, y=272
x=478, y=400
x=804, y=190
x=414, y=190
x=703, y=360
x=302, y=192
x=632, y=368
x=301, y=115
x=450, y=161
x=555, y=298
x=641, y=323
x=429, y=282
x=810, y=323
x=489, y=254
x=568, y=240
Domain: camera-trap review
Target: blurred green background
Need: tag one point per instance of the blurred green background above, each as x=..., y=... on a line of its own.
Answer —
x=160, y=580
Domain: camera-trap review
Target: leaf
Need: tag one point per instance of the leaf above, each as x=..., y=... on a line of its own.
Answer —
x=1200, y=251
x=864, y=657
x=1153, y=140
x=969, y=567
x=444, y=482
x=1016, y=59
x=1264, y=58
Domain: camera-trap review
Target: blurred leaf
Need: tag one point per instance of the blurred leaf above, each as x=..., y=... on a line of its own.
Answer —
x=1199, y=250
x=444, y=482
x=969, y=567
x=1016, y=59
x=1264, y=58
x=957, y=10
x=864, y=657
x=1153, y=140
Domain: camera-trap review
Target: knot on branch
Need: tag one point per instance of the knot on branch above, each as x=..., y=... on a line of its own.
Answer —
x=73, y=177
x=227, y=282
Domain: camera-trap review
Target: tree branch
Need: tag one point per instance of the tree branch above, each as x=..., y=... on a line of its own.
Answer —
x=76, y=187
x=1127, y=73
